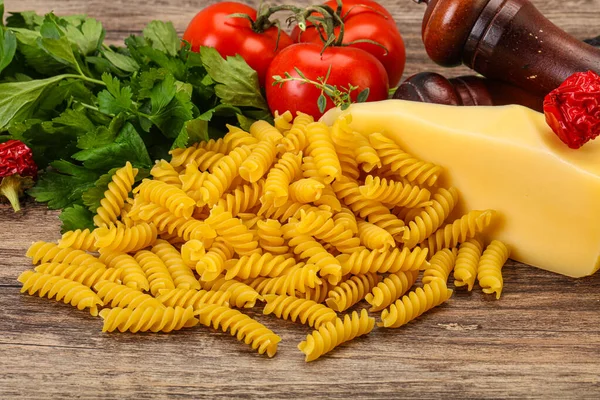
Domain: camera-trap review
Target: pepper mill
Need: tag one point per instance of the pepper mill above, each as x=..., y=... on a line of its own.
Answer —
x=508, y=40
x=429, y=87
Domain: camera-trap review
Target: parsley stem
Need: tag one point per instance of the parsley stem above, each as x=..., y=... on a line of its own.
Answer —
x=85, y=78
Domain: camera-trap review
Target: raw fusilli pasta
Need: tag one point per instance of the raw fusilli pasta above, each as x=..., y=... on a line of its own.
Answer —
x=489, y=270
x=163, y=319
x=114, y=197
x=465, y=270
x=295, y=308
x=351, y=291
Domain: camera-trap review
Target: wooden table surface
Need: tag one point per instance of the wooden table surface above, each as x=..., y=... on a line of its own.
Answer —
x=542, y=339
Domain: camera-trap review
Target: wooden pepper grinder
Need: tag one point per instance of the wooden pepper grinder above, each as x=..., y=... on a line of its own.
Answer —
x=429, y=87
x=508, y=40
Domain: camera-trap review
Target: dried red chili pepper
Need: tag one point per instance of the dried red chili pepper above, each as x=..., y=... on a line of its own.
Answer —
x=573, y=109
x=17, y=171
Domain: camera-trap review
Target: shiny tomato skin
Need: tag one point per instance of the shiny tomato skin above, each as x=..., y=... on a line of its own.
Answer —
x=348, y=66
x=213, y=27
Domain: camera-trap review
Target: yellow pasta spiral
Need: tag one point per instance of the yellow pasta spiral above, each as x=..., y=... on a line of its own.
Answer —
x=132, y=274
x=156, y=271
x=289, y=210
x=365, y=154
x=123, y=239
x=79, y=240
x=242, y=198
x=203, y=158
x=265, y=132
x=286, y=170
x=313, y=252
x=163, y=171
x=236, y=137
x=242, y=295
x=168, y=196
x=259, y=162
x=351, y=291
x=164, y=319
x=395, y=193
x=318, y=294
x=192, y=298
x=342, y=140
x=295, y=308
x=216, y=145
x=402, y=163
x=332, y=334
x=347, y=218
x=182, y=275
x=192, y=251
x=295, y=139
x=370, y=210
x=256, y=265
x=212, y=264
x=415, y=303
x=232, y=230
x=223, y=175
x=459, y=231
x=44, y=252
x=240, y=325
x=122, y=296
x=283, y=122
x=306, y=190
x=300, y=278
x=489, y=270
x=328, y=199
x=465, y=270
x=374, y=237
x=321, y=148
x=84, y=274
x=114, y=197
x=328, y=230
x=68, y=291
x=270, y=236
x=431, y=218
x=391, y=261
x=441, y=265
x=390, y=289
x=192, y=181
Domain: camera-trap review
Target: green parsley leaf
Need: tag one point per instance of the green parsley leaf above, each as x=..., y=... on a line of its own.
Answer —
x=163, y=37
x=24, y=19
x=102, y=135
x=75, y=119
x=76, y=217
x=114, y=99
x=55, y=43
x=87, y=37
x=36, y=57
x=121, y=61
x=237, y=83
x=8, y=48
x=1, y=13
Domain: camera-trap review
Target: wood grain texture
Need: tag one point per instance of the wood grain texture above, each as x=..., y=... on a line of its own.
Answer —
x=542, y=339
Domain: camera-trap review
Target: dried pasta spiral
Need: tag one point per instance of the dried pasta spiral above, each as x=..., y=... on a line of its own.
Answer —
x=156, y=271
x=441, y=265
x=431, y=218
x=467, y=260
x=365, y=154
x=283, y=122
x=289, y=210
x=256, y=265
x=212, y=264
x=328, y=230
x=114, y=197
x=321, y=149
x=132, y=274
x=300, y=279
x=242, y=295
x=415, y=303
x=351, y=291
x=489, y=270
x=192, y=180
x=306, y=190
x=123, y=239
x=332, y=334
x=70, y=292
x=394, y=192
x=232, y=230
x=402, y=163
x=243, y=198
x=342, y=141
x=391, y=261
x=165, y=172
x=265, y=132
x=318, y=294
x=223, y=175
x=459, y=231
x=390, y=289
x=295, y=139
x=122, y=296
x=236, y=137
x=84, y=274
x=163, y=319
x=252, y=332
x=286, y=170
x=192, y=251
x=192, y=298
x=295, y=308
x=328, y=199
x=168, y=196
x=79, y=240
x=374, y=237
x=270, y=236
x=182, y=275
x=347, y=218
x=181, y=158
x=44, y=252
x=259, y=162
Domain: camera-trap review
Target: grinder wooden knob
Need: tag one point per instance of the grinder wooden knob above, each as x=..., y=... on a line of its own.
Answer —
x=508, y=40
x=429, y=87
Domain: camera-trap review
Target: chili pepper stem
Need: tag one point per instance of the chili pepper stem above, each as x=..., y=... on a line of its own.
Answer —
x=12, y=187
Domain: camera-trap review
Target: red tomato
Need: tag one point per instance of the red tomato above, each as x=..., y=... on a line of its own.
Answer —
x=230, y=35
x=349, y=66
x=375, y=24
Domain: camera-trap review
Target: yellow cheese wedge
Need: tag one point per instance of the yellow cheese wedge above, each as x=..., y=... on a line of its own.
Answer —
x=508, y=159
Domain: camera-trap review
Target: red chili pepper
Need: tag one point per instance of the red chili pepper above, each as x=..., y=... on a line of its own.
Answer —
x=573, y=109
x=17, y=171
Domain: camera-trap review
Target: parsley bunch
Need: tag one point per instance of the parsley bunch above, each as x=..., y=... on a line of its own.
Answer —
x=85, y=108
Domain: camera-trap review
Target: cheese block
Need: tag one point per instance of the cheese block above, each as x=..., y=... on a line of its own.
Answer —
x=508, y=159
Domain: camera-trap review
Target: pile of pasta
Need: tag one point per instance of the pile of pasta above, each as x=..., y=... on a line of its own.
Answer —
x=307, y=219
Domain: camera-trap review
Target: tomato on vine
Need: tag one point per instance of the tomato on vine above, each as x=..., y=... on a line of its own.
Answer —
x=235, y=28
